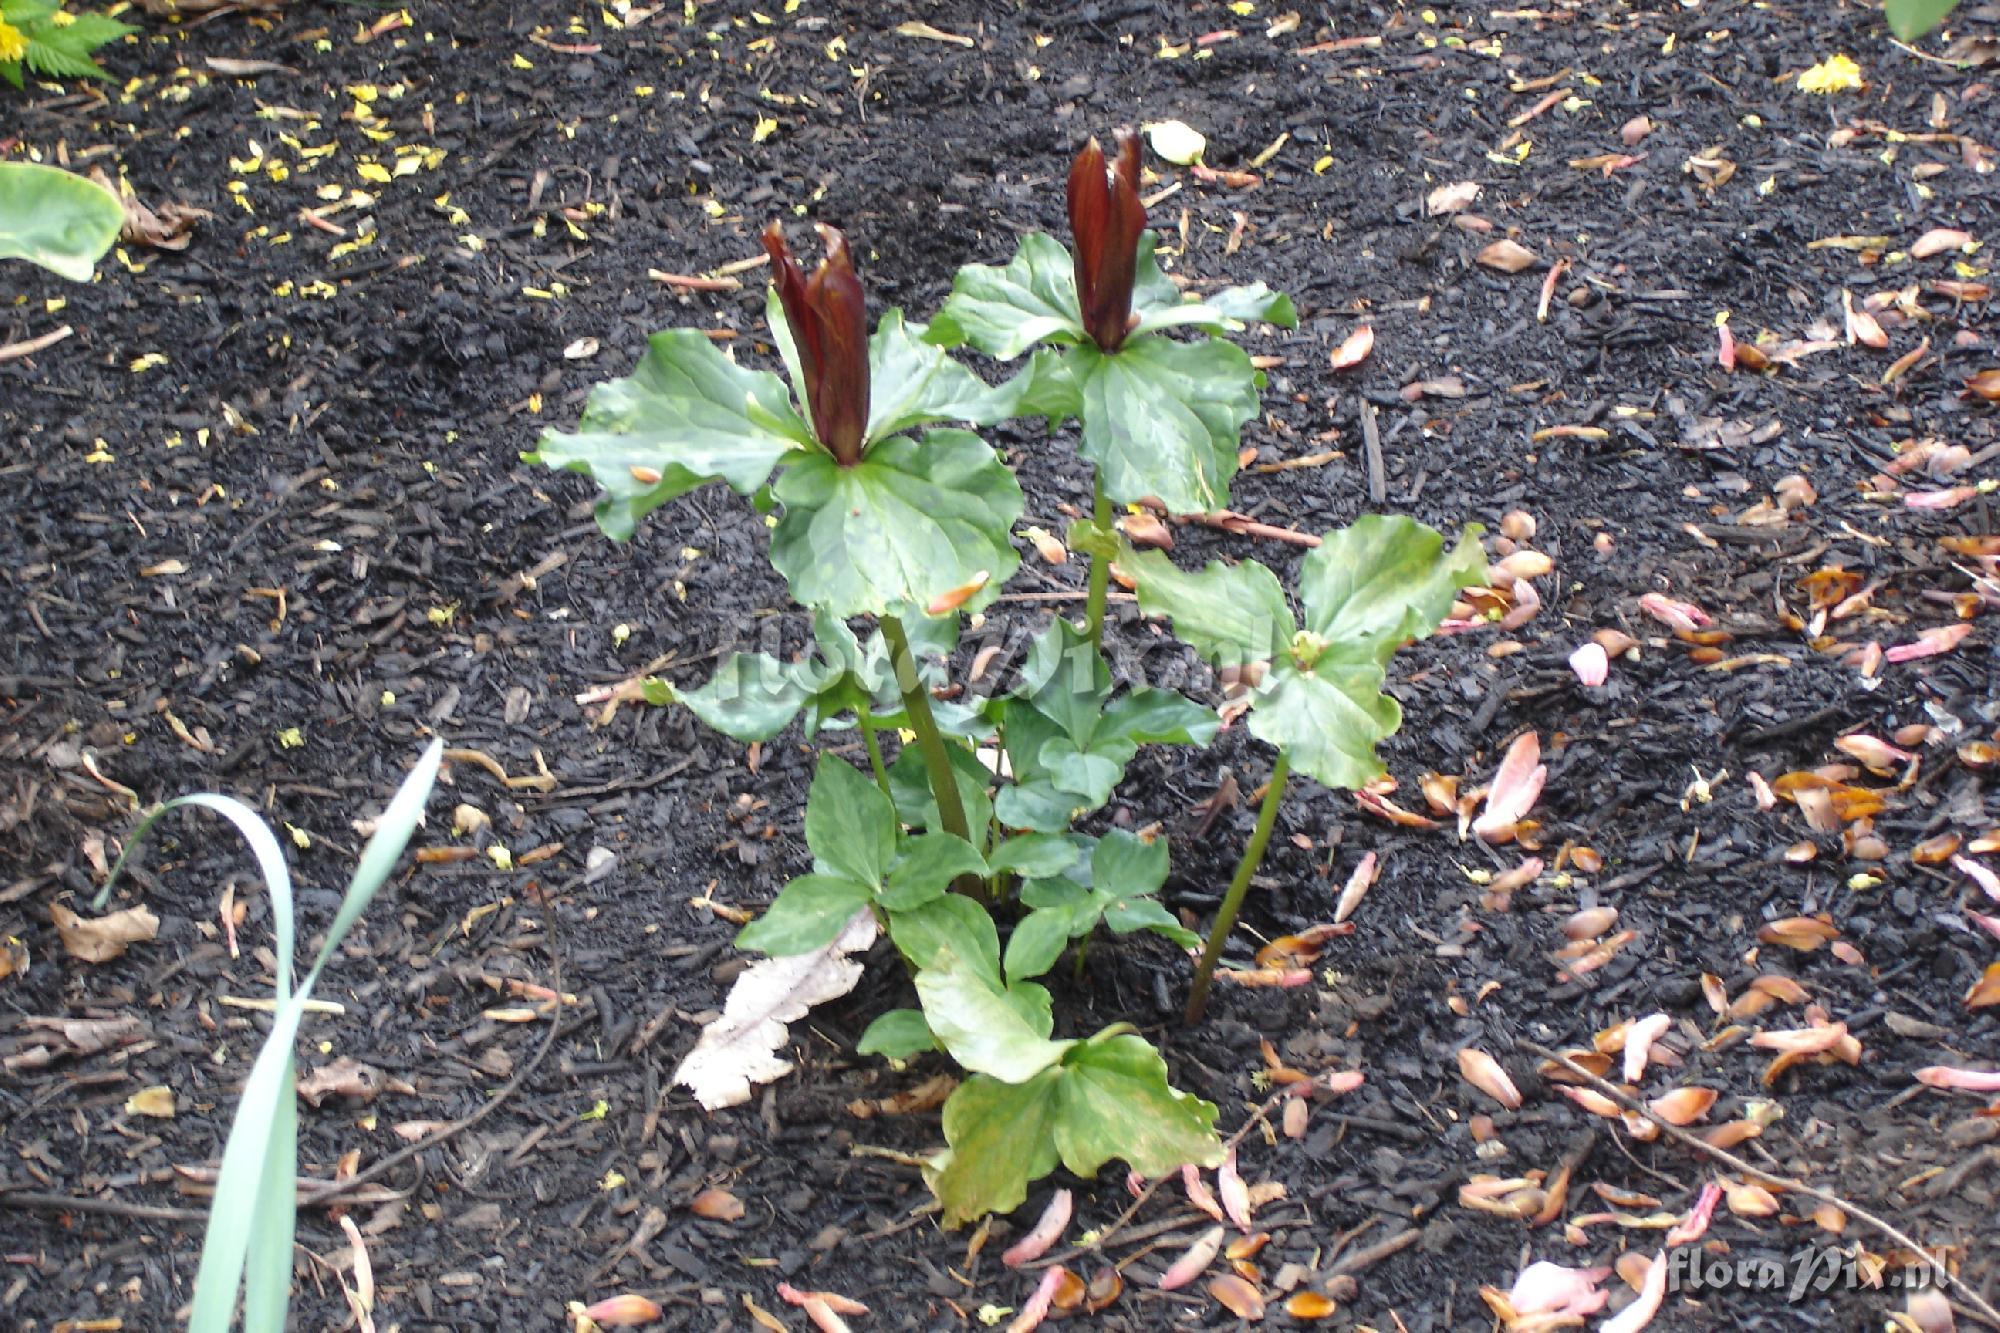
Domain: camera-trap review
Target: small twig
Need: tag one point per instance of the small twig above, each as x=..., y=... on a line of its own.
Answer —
x=113, y=1207
x=30, y=346
x=693, y=283
x=1371, y=443
x=1371, y=1255
x=1244, y=526
x=1978, y=1304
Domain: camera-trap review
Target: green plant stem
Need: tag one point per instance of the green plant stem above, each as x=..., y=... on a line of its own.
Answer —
x=1232, y=902
x=867, y=721
x=917, y=707
x=1100, y=566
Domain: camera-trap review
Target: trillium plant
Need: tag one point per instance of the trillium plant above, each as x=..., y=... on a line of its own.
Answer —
x=968, y=840
x=1160, y=417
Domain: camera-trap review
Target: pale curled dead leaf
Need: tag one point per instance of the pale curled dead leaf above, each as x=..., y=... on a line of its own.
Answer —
x=739, y=1049
x=104, y=938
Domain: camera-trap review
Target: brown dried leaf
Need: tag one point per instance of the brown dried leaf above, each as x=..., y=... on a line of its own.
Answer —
x=717, y=1205
x=1483, y=1072
x=349, y=1078
x=1355, y=349
x=1238, y=1297
x=1508, y=256
x=104, y=938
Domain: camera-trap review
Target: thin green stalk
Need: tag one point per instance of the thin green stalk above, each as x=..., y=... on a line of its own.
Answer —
x=1100, y=566
x=917, y=707
x=867, y=721
x=1232, y=902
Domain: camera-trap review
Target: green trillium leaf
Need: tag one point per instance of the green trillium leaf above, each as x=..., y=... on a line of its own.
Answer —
x=56, y=219
x=1329, y=719
x=1163, y=419
x=753, y=696
x=952, y=924
x=899, y=1034
x=1005, y=311
x=1038, y=940
x=1231, y=615
x=1109, y=1098
x=1158, y=302
x=909, y=784
x=1911, y=19
x=1124, y=874
x=1370, y=588
x=916, y=383
x=914, y=519
x=1034, y=856
x=686, y=416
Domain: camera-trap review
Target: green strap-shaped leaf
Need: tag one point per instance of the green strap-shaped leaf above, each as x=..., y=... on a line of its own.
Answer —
x=686, y=416
x=1231, y=615
x=1162, y=419
x=1370, y=588
x=915, y=519
x=56, y=219
x=1158, y=302
x=915, y=383
x=1005, y=311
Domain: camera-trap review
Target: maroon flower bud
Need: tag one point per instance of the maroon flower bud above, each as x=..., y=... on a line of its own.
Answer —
x=829, y=323
x=1106, y=217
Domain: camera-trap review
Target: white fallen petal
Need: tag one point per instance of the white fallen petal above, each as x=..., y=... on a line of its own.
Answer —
x=1590, y=663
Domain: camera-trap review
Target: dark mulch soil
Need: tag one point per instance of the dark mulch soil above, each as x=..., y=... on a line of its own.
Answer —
x=339, y=424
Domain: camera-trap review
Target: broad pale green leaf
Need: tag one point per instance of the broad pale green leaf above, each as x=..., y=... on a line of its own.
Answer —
x=1033, y=856
x=1231, y=615
x=953, y=924
x=1114, y=1101
x=1005, y=311
x=927, y=865
x=1034, y=1004
x=916, y=518
x=1035, y=803
x=56, y=219
x=1911, y=19
x=1163, y=419
x=687, y=415
x=753, y=696
x=1127, y=915
x=1146, y=716
x=1001, y=1139
x=806, y=915
x=968, y=1009
x=899, y=1035
x=1085, y=774
x=1109, y=1098
x=909, y=784
x=1158, y=302
x=1370, y=588
x=915, y=383
x=1329, y=719
x=850, y=824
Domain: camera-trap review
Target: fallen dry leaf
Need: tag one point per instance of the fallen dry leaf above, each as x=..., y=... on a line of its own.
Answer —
x=349, y=1078
x=1238, y=1296
x=155, y=1101
x=1483, y=1072
x=1354, y=349
x=1455, y=198
x=104, y=938
x=1507, y=256
x=717, y=1205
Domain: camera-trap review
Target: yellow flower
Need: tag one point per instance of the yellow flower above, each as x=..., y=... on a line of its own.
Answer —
x=12, y=44
x=1835, y=74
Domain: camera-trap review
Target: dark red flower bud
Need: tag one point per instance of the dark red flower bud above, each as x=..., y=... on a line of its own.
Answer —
x=1106, y=217
x=829, y=322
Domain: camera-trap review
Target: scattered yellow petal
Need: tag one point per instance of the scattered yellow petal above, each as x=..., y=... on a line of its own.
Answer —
x=1835, y=74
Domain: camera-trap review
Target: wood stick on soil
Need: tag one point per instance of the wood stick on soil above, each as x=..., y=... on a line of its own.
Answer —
x=30, y=346
x=1975, y=1304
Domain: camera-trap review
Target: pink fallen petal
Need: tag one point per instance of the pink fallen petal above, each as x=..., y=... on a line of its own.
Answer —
x=1767, y=800
x=1641, y=1311
x=1989, y=924
x=823, y=1315
x=1198, y=1194
x=1135, y=1183
x=1590, y=663
x=1674, y=614
x=1342, y=1081
x=1037, y=1308
x=1514, y=790
x=1194, y=1262
x=1235, y=1194
x=1550, y=1288
x=1695, y=1225
x=1047, y=1231
x=1929, y=644
x=1980, y=875
x=1526, y=603
x=832, y=1300
x=1949, y=498
x=1639, y=1039
x=1357, y=886
x=1965, y=1080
